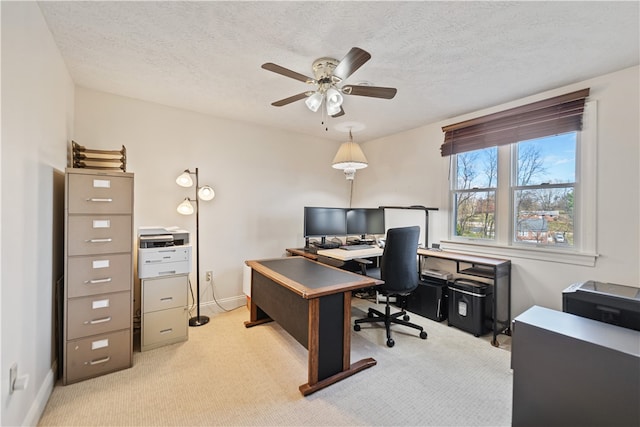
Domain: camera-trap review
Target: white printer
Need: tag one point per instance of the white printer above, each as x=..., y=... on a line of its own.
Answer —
x=163, y=252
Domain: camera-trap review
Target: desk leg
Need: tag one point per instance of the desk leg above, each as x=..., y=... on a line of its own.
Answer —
x=256, y=316
x=330, y=323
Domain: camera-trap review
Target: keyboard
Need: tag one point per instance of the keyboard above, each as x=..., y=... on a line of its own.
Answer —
x=356, y=247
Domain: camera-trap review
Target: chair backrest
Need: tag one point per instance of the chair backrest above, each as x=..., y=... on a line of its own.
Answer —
x=399, y=263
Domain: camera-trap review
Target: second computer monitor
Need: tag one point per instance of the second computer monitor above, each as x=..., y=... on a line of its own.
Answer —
x=365, y=221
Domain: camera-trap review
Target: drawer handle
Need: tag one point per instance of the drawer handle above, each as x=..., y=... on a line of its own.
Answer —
x=166, y=331
x=167, y=250
x=93, y=199
x=167, y=272
x=166, y=299
x=98, y=321
x=94, y=281
x=107, y=240
x=99, y=361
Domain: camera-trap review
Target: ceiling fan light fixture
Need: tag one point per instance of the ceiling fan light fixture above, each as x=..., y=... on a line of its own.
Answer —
x=314, y=101
x=334, y=101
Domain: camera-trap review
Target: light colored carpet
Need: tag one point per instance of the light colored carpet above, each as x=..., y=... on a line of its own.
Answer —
x=228, y=375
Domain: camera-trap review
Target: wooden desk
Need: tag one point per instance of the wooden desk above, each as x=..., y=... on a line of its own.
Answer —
x=345, y=255
x=302, y=252
x=497, y=270
x=312, y=302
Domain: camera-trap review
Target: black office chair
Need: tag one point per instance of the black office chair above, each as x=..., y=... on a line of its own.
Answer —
x=399, y=270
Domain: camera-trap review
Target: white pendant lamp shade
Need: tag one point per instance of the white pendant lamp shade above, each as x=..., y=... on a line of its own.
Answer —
x=314, y=101
x=184, y=180
x=349, y=156
x=185, y=208
x=206, y=193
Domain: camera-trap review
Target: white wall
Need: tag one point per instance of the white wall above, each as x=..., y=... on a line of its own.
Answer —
x=407, y=169
x=262, y=178
x=37, y=119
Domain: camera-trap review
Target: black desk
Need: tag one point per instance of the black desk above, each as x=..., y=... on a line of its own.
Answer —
x=312, y=302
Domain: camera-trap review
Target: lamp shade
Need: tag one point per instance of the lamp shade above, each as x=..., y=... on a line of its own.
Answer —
x=185, y=208
x=184, y=180
x=314, y=101
x=206, y=193
x=349, y=156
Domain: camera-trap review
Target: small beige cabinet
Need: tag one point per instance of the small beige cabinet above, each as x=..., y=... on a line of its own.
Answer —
x=164, y=311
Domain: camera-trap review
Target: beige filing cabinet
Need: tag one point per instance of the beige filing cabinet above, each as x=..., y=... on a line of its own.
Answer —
x=98, y=281
x=164, y=311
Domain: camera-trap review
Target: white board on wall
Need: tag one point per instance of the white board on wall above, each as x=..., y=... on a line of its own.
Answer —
x=399, y=217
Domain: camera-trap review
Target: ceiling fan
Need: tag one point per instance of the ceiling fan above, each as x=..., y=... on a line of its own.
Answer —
x=329, y=73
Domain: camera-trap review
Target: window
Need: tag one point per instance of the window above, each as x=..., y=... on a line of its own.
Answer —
x=518, y=178
x=543, y=190
x=474, y=193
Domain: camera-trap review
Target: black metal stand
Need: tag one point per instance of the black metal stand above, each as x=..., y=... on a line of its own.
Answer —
x=198, y=320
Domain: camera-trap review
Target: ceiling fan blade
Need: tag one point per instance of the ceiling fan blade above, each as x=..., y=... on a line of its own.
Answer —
x=339, y=113
x=372, y=91
x=270, y=66
x=351, y=62
x=290, y=99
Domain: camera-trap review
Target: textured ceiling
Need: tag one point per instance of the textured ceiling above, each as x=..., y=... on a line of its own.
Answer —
x=445, y=58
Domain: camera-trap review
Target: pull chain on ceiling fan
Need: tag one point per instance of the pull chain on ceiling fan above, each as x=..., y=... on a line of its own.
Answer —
x=329, y=73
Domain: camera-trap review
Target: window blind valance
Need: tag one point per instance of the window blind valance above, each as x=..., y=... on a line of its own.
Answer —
x=542, y=118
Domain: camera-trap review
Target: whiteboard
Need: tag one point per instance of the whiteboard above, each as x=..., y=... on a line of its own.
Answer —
x=397, y=217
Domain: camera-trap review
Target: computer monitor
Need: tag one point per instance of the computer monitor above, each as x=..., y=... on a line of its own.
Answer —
x=363, y=221
x=323, y=222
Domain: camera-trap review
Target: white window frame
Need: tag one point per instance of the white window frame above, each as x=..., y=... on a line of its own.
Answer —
x=583, y=252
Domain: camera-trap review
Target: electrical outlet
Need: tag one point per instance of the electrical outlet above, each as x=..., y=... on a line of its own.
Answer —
x=209, y=276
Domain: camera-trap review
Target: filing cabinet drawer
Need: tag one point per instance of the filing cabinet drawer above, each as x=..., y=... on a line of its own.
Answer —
x=97, y=355
x=98, y=314
x=91, y=275
x=164, y=293
x=164, y=327
x=100, y=194
x=91, y=234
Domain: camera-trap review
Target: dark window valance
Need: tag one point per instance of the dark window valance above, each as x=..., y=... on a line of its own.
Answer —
x=543, y=118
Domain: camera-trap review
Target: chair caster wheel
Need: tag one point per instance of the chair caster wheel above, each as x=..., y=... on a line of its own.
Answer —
x=423, y=335
x=356, y=328
x=390, y=342
x=406, y=317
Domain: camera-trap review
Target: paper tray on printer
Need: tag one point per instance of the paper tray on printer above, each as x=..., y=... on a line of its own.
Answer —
x=155, y=262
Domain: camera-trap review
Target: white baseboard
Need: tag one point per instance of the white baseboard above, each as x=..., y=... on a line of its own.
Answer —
x=38, y=405
x=228, y=304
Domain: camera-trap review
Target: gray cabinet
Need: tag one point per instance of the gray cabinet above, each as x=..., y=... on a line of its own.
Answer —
x=98, y=298
x=573, y=371
x=164, y=311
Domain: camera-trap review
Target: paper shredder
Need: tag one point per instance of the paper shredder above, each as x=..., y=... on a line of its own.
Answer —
x=470, y=306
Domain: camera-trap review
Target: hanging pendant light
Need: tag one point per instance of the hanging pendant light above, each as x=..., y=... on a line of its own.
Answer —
x=349, y=158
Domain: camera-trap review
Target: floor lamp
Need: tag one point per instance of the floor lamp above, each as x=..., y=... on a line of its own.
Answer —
x=186, y=208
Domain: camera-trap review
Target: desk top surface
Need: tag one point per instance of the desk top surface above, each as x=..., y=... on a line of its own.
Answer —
x=310, y=279
x=345, y=255
x=457, y=256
